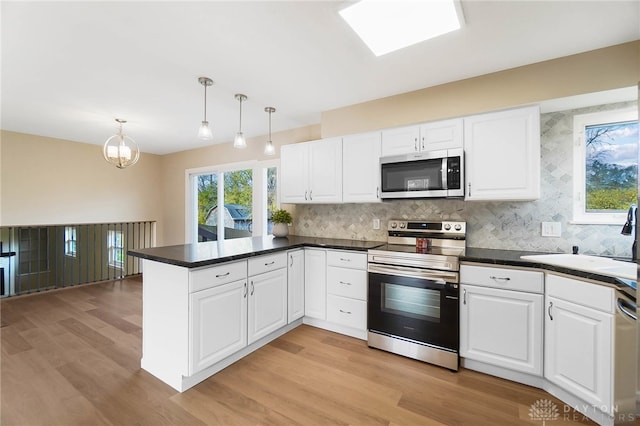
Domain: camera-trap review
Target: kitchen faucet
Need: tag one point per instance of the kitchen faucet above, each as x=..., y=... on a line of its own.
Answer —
x=629, y=228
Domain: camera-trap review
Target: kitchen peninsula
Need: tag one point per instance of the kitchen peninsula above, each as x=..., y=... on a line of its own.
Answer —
x=207, y=305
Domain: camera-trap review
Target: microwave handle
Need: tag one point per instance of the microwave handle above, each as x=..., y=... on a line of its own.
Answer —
x=444, y=170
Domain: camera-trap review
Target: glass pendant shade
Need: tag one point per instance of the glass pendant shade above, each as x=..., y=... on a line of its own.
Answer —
x=205, y=132
x=120, y=150
x=239, y=141
x=269, y=149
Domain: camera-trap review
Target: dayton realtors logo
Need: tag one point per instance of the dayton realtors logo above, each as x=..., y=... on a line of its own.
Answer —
x=543, y=409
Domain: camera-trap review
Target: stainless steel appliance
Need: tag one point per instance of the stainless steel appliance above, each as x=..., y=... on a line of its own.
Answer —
x=413, y=291
x=423, y=175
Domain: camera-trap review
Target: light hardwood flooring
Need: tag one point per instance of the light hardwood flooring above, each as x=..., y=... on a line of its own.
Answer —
x=72, y=357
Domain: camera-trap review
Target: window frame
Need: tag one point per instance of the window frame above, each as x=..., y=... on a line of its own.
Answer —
x=580, y=122
x=71, y=240
x=112, y=237
x=259, y=198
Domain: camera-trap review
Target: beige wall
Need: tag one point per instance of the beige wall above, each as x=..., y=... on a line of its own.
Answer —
x=175, y=165
x=604, y=69
x=51, y=181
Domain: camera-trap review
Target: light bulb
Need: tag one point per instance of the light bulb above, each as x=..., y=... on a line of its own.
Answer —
x=269, y=149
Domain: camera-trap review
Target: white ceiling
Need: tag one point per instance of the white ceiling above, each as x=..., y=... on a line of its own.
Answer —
x=70, y=68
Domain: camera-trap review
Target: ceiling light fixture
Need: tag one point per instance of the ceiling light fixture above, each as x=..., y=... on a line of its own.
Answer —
x=120, y=150
x=239, y=141
x=269, y=149
x=205, y=131
x=386, y=26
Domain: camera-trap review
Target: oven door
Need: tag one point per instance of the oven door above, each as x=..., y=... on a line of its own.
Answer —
x=418, y=308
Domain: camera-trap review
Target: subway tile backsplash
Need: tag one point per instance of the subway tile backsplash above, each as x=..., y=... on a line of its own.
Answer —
x=499, y=225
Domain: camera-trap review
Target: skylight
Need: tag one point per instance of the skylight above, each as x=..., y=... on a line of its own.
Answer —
x=386, y=26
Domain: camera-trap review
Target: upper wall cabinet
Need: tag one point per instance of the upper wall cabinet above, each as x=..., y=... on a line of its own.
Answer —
x=311, y=172
x=502, y=155
x=433, y=136
x=361, y=168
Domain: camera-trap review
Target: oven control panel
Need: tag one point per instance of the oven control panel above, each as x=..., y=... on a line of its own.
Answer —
x=427, y=227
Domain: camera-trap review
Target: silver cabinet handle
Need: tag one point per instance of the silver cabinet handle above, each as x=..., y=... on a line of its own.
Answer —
x=423, y=143
x=549, y=310
x=310, y=195
x=291, y=257
x=345, y=312
x=345, y=283
x=342, y=259
x=415, y=144
x=305, y=195
x=500, y=278
x=245, y=290
x=222, y=275
x=377, y=192
x=469, y=191
x=252, y=287
x=270, y=263
x=464, y=296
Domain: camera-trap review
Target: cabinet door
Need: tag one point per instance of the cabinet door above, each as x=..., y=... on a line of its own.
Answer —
x=502, y=155
x=315, y=283
x=502, y=327
x=267, y=303
x=325, y=171
x=294, y=171
x=578, y=351
x=209, y=342
x=295, y=284
x=361, y=168
x=399, y=141
x=445, y=134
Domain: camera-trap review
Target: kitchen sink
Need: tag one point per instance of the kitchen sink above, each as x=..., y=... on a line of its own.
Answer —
x=584, y=262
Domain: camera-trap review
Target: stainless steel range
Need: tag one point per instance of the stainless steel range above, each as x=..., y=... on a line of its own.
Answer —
x=413, y=291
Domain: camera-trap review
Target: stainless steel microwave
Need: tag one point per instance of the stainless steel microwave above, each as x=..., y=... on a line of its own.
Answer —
x=426, y=174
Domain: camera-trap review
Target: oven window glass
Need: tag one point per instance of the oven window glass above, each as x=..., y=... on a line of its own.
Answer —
x=412, y=302
x=419, y=175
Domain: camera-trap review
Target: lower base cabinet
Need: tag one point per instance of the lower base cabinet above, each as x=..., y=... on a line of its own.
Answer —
x=348, y=312
x=267, y=303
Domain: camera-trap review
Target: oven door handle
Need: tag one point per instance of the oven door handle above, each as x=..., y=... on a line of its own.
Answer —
x=440, y=277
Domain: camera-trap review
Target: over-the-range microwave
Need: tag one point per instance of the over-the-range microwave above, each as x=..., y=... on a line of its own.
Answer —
x=427, y=174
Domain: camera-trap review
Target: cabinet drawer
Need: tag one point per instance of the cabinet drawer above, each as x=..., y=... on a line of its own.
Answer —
x=347, y=259
x=345, y=311
x=347, y=282
x=509, y=279
x=580, y=292
x=266, y=263
x=200, y=279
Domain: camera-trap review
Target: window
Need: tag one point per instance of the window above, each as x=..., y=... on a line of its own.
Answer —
x=231, y=201
x=115, y=249
x=605, y=166
x=70, y=241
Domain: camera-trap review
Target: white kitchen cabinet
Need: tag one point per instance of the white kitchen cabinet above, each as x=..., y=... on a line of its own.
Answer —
x=502, y=155
x=295, y=284
x=437, y=135
x=224, y=304
x=311, y=172
x=502, y=327
x=445, y=134
x=267, y=305
x=315, y=283
x=361, y=168
x=579, y=339
x=401, y=140
x=501, y=320
x=347, y=290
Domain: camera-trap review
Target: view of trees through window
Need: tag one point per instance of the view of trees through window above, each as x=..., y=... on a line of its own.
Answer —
x=611, y=166
x=237, y=215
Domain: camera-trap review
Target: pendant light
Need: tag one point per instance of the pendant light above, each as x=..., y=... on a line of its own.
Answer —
x=120, y=150
x=205, y=132
x=269, y=149
x=239, y=141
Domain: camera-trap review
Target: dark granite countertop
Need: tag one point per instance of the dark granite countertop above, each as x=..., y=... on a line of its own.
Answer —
x=512, y=258
x=212, y=252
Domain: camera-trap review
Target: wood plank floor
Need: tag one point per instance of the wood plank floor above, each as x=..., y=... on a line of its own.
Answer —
x=72, y=357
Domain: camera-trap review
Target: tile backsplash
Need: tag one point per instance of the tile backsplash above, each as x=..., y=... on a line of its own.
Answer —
x=499, y=225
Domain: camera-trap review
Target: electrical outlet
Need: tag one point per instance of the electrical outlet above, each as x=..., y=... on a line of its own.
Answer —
x=376, y=223
x=551, y=229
